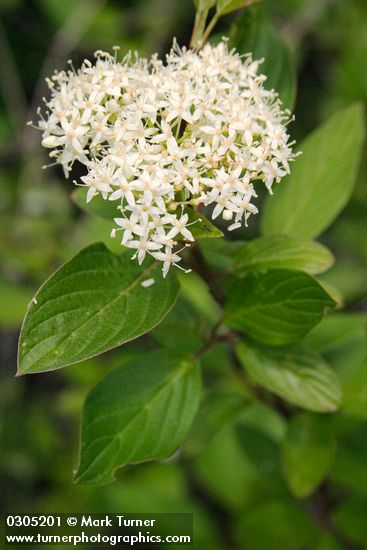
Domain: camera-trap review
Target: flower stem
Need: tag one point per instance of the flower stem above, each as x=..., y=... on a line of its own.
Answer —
x=208, y=30
x=212, y=339
x=199, y=25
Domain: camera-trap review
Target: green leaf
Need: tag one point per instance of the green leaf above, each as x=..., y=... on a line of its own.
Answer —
x=224, y=471
x=182, y=330
x=265, y=418
x=254, y=33
x=196, y=293
x=336, y=330
x=260, y=449
x=93, y=303
x=333, y=292
x=220, y=253
x=226, y=6
x=307, y=452
x=201, y=227
x=141, y=411
x=277, y=307
x=347, y=276
x=218, y=408
x=321, y=180
x=295, y=373
x=280, y=251
x=342, y=340
x=98, y=205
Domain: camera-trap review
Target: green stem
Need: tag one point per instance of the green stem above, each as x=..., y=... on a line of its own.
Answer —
x=209, y=29
x=199, y=25
x=212, y=339
x=195, y=29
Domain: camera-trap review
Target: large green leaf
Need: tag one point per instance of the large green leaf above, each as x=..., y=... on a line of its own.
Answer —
x=141, y=411
x=93, y=303
x=280, y=251
x=254, y=33
x=307, y=452
x=295, y=373
x=277, y=307
x=321, y=180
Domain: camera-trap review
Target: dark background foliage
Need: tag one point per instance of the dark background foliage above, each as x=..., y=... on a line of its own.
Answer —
x=239, y=500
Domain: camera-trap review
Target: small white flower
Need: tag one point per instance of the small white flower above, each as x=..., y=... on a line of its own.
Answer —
x=142, y=247
x=168, y=257
x=180, y=227
x=131, y=226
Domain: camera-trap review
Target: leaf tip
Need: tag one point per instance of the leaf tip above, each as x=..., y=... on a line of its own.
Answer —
x=80, y=478
x=77, y=478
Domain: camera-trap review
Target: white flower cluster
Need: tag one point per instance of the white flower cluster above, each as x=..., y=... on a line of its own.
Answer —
x=159, y=137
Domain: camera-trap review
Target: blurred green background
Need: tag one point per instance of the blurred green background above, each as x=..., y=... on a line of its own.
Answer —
x=239, y=499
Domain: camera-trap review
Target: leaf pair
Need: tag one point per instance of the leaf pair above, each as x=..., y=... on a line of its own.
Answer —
x=141, y=411
x=276, y=307
x=280, y=306
x=277, y=301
